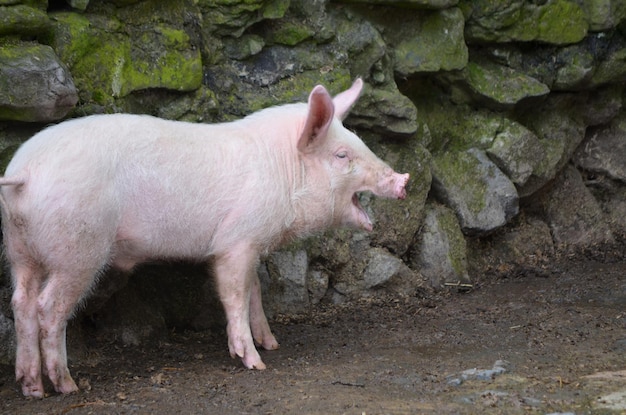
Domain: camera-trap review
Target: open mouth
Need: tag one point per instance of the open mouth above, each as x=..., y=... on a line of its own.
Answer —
x=362, y=218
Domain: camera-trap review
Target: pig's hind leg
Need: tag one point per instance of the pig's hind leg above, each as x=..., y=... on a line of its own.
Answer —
x=234, y=272
x=258, y=322
x=55, y=305
x=27, y=280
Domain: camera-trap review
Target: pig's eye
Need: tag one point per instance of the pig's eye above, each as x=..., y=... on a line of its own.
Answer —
x=342, y=155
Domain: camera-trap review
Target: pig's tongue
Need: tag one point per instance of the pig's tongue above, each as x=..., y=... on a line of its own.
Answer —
x=362, y=218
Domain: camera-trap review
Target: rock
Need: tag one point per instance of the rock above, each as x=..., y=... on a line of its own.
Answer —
x=34, y=84
x=482, y=197
x=381, y=267
x=7, y=340
x=611, y=196
x=500, y=367
x=516, y=151
x=317, y=285
x=363, y=46
x=611, y=67
x=286, y=281
x=232, y=18
x=575, y=217
x=559, y=125
x=602, y=105
x=22, y=20
x=243, y=47
x=495, y=86
x=453, y=127
x=441, y=252
x=385, y=111
x=604, y=149
x=78, y=4
x=603, y=14
x=397, y=222
x=557, y=22
x=445, y=49
x=108, y=63
x=409, y=4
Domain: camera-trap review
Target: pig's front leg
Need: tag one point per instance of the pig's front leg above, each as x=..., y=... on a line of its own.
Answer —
x=258, y=322
x=234, y=272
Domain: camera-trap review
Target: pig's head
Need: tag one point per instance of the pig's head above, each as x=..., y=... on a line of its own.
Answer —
x=339, y=164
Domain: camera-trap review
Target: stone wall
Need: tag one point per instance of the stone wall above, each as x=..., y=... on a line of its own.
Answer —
x=508, y=115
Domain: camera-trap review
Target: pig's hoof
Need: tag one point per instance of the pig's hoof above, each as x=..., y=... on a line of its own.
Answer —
x=66, y=386
x=33, y=391
x=256, y=366
x=268, y=343
x=253, y=362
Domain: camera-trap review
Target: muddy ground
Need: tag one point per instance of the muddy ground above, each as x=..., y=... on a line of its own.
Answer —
x=545, y=339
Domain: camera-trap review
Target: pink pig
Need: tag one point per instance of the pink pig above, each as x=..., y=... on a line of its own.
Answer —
x=116, y=190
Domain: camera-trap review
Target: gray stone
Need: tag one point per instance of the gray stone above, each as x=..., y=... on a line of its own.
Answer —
x=441, y=253
x=381, y=267
x=575, y=217
x=483, y=197
x=386, y=111
x=287, y=285
x=516, y=151
x=604, y=149
x=612, y=66
x=317, y=283
x=34, y=84
x=603, y=14
x=560, y=126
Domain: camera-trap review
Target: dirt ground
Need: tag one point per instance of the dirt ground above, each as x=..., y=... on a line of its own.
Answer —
x=541, y=340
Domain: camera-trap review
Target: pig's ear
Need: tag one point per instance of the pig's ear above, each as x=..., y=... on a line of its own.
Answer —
x=318, y=120
x=344, y=101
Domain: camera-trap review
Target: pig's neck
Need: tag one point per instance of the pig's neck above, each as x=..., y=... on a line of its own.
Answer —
x=312, y=201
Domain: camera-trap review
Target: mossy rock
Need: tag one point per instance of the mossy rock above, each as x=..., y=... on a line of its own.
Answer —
x=435, y=43
x=516, y=151
x=232, y=18
x=396, y=222
x=23, y=20
x=409, y=4
x=107, y=63
x=498, y=87
x=557, y=22
x=34, y=84
x=441, y=252
x=482, y=197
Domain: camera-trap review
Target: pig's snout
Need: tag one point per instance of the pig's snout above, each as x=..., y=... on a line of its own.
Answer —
x=393, y=185
x=400, y=185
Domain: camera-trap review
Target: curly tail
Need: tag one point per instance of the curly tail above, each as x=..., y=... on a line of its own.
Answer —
x=9, y=181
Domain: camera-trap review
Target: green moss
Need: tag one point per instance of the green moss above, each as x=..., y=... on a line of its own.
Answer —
x=275, y=9
x=560, y=22
x=107, y=63
x=458, y=171
x=553, y=21
x=289, y=33
x=21, y=19
x=457, y=252
x=502, y=85
x=296, y=88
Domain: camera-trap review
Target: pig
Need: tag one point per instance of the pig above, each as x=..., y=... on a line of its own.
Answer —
x=112, y=191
